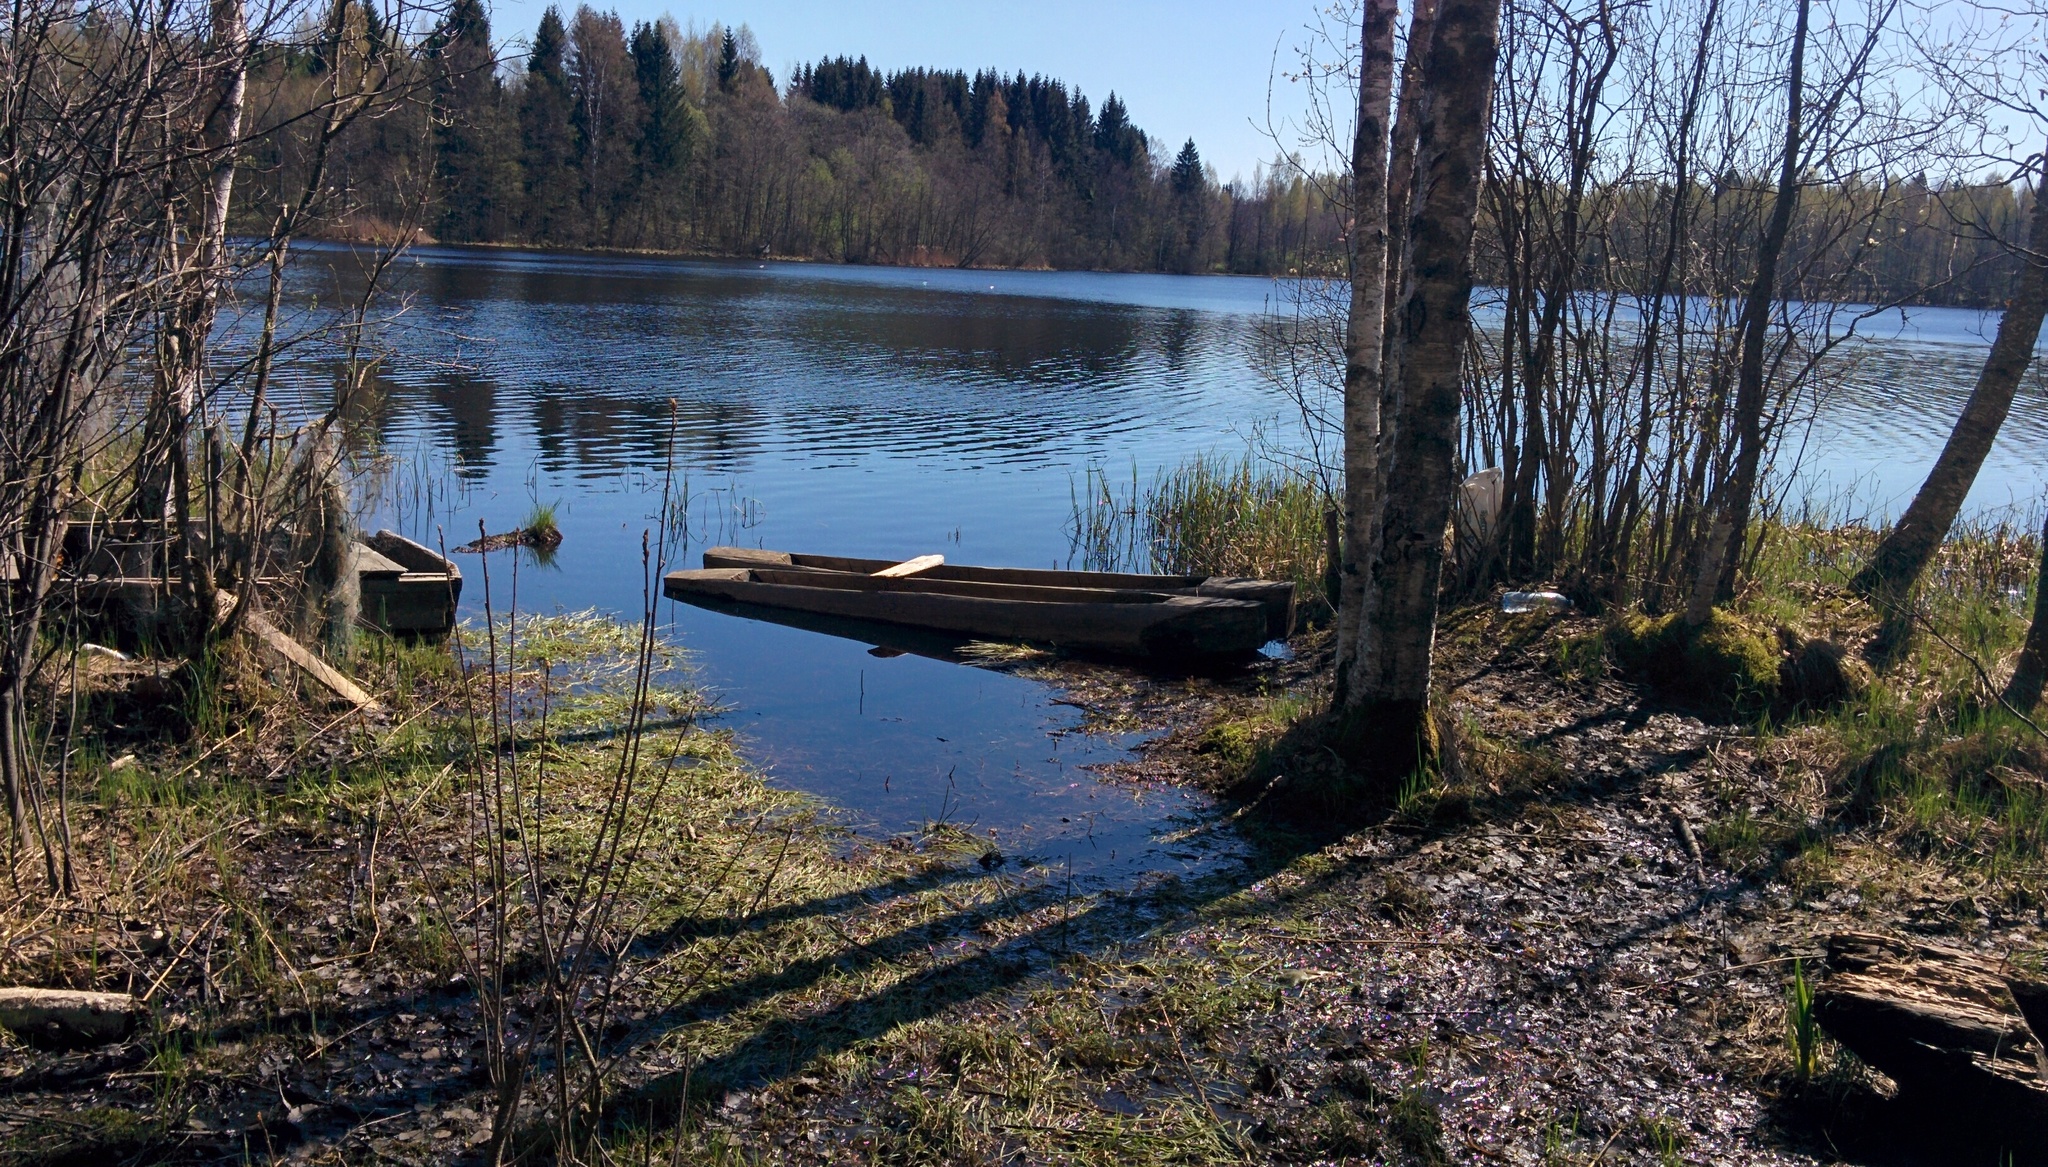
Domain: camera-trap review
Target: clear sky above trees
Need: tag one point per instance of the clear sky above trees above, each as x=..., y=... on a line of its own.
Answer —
x=1186, y=68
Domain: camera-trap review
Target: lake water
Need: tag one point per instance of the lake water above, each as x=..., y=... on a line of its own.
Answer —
x=895, y=412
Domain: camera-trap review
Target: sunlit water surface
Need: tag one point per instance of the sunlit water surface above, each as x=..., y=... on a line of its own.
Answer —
x=895, y=412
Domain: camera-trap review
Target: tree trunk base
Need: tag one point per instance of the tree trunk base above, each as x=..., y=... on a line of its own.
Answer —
x=1385, y=743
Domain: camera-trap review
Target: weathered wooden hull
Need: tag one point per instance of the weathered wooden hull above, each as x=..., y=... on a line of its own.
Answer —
x=1125, y=622
x=407, y=589
x=1276, y=598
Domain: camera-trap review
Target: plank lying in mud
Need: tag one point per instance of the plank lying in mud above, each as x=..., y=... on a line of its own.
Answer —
x=300, y=656
x=1941, y=1023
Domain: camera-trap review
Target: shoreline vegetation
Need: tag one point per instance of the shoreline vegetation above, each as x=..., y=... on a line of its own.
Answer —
x=1537, y=888
x=670, y=139
x=1595, y=906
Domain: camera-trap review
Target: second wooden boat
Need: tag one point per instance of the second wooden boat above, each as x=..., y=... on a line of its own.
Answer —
x=408, y=589
x=1276, y=599
x=1123, y=621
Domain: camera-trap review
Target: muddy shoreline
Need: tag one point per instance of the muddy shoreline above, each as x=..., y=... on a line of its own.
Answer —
x=1529, y=963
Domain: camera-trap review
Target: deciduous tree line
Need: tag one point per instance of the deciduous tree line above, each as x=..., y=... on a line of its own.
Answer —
x=1685, y=208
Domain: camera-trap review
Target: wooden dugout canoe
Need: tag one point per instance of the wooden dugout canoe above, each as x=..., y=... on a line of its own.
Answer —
x=1277, y=599
x=1123, y=621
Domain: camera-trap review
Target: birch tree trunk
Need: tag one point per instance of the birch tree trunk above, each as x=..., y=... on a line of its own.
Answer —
x=1364, y=333
x=1385, y=729
x=2023, y=689
x=1400, y=202
x=1721, y=550
x=1906, y=552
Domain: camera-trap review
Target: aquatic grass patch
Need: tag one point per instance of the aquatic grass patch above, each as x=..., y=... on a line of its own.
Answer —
x=540, y=525
x=1207, y=516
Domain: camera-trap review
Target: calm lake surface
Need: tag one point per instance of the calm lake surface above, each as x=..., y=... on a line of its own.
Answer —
x=896, y=412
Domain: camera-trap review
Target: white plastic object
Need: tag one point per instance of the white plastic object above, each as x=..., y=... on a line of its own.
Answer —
x=1534, y=602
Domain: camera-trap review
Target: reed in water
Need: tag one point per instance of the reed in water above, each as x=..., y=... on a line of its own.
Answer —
x=1208, y=515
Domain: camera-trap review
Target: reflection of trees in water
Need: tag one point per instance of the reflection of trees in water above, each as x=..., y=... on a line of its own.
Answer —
x=1180, y=334
x=587, y=352
x=588, y=432
x=469, y=405
x=1012, y=338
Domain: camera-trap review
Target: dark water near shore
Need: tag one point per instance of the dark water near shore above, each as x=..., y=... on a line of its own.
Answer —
x=894, y=412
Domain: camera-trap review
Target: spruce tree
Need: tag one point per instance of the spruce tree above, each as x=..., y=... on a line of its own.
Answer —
x=474, y=171
x=547, y=139
x=1187, y=172
x=664, y=143
x=728, y=62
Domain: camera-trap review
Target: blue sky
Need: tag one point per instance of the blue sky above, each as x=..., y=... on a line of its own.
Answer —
x=1187, y=69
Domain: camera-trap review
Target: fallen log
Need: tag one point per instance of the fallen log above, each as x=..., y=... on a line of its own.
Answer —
x=69, y=1018
x=1946, y=1027
x=543, y=539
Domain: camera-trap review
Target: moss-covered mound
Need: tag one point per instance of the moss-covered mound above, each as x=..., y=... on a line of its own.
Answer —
x=1731, y=663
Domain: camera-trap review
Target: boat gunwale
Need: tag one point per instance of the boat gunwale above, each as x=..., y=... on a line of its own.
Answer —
x=748, y=557
x=977, y=589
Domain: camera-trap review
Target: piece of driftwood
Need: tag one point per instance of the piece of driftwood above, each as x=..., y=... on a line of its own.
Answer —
x=1946, y=1026
x=69, y=1018
x=546, y=539
x=300, y=656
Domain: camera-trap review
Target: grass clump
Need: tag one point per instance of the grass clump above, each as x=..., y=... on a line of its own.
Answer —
x=1802, y=1028
x=540, y=523
x=1209, y=516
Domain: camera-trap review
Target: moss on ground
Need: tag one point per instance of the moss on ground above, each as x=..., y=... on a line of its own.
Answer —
x=1727, y=661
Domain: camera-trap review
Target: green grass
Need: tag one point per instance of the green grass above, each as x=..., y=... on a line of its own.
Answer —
x=540, y=521
x=1802, y=1028
x=1207, y=516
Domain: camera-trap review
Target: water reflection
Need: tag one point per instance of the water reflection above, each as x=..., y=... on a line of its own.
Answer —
x=894, y=412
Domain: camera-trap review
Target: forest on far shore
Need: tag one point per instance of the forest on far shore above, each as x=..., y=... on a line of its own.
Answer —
x=660, y=137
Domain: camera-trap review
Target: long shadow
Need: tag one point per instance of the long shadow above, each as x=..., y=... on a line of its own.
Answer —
x=786, y=1044
x=686, y=928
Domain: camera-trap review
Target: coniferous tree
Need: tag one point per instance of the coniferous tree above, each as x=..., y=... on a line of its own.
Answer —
x=1190, y=187
x=1115, y=135
x=670, y=131
x=728, y=62
x=475, y=170
x=547, y=139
